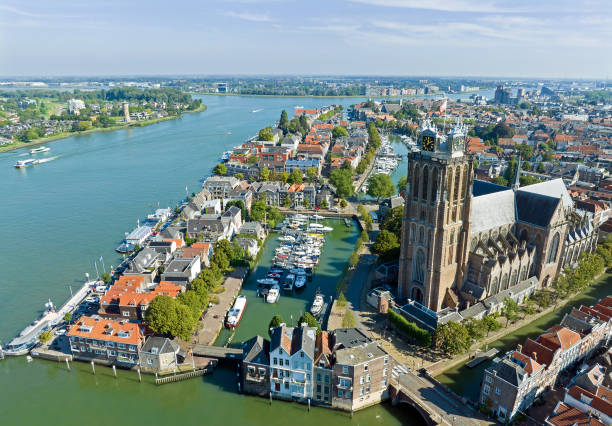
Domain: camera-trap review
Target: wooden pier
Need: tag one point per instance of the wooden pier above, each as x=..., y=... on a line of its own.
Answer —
x=183, y=376
x=482, y=358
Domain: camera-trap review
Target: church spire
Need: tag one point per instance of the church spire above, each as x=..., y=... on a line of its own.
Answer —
x=517, y=178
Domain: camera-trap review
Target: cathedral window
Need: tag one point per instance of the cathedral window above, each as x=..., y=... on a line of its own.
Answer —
x=457, y=181
x=465, y=182
x=553, y=249
x=415, y=186
x=421, y=235
x=495, y=285
x=425, y=183
x=514, y=279
x=523, y=272
x=418, y=267
x=434, y=186
x=449, y=185
x=504, y=283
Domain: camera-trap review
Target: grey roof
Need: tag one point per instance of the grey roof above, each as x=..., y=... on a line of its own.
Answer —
x=163, y=345
x=473, y=311
x=301, y=339
x=553, y=188
x=202, y=225
x=143, y=259
x=498, y=299
x=231, y=212
x=493, y=210
x=472, y=289
x=171, y=232
x=509, y=371
x=535, y=208
x=256, y=350
x=482, y=187
x=358, y=354
x=349, y=337
x=179, y=265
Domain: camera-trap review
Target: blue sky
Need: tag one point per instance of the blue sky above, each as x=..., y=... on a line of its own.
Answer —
x=522, y=38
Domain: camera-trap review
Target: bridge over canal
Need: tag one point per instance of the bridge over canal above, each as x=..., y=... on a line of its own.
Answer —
x=218, y=352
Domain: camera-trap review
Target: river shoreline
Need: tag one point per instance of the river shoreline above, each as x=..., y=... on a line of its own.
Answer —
x=58, y=136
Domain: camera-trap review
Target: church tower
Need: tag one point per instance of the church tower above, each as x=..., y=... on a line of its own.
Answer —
x=436, y=222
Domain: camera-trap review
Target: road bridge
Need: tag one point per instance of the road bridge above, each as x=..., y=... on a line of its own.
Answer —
x=218, y=352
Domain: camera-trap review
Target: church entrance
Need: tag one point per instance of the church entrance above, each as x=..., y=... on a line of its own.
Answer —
x=416, y=294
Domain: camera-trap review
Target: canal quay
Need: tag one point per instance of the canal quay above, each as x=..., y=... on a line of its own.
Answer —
x=465, y=381
x=63, y=215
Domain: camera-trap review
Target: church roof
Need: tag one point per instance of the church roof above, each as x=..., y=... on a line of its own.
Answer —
x=493, y=210
x=552, y=188
x=482, y=187
x=535, y=208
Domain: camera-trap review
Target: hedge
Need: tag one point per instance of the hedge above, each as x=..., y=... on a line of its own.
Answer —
x=410, y=329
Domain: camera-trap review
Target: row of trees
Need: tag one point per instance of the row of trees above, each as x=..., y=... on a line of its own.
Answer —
x=306, y=317
x=178, y=317
x=387, y=243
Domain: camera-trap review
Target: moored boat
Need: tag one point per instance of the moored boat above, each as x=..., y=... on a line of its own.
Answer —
x=273, y=294
x=317, y=304
x=300, y=282
x=234, y=315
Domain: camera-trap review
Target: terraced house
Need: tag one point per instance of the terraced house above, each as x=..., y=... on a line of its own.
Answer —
x=105, y=341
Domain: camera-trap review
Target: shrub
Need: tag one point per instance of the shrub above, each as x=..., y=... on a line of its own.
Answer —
x=409, y=329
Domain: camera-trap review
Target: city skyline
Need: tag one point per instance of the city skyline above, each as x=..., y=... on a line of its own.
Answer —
x=267, y=37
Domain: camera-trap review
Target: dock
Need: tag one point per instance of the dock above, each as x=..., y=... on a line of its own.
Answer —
x=482, y=358
x=183, y=376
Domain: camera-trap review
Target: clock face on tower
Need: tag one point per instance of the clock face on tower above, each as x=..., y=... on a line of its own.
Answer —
x=429, y=143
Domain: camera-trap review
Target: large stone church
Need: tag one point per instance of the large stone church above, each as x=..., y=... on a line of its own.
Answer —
x=465, y=241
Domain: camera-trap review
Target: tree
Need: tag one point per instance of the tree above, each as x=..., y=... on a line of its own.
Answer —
x=106, y=277
x=510, y=310
x=476, y=328
x=239, y=176
x=161, y=315
x=453, y=338
x=295, y=176
x=525, y=151
x=283, y=123
x=264, y=174
x=274, y=216
x=401, y=185
x=283, y=177
x=348, y=321
x=500, y=180
x=194, y=301
x=490, y=323
x=353, y=259
x=342, y=179
x=310, y=321
x=220, y=259
x=409, y=329
x=68, y=317
x=239, y=204
x=343, y=203
x=306, y=202
x=220, y=169
x=265, y=134
x=386, y=244
x=540, y=168
x=312, y=174
x=45, y=336
x=324, y=203
x=339, y=132
x=258, y=211
x=380, y=186
x=392, y=221
x=341, y=286
x=287, y=202
x=341, y=300
x=276, y=321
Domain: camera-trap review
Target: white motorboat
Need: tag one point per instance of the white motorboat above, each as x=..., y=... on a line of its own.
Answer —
x=286, y=238
x=300, y=282
x=273, y=294
x=235, y=313
x=317, y=304
x=39, y=150
x=297, y=271
x=317, y=217
x=267, y=281
x=22, y=164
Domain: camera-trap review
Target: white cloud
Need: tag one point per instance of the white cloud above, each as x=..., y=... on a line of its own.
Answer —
x=441, y=5
x=251, y=17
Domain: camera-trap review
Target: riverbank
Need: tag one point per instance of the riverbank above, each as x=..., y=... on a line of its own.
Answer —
x=432, y=95
x=466, y=381
x=57, y=136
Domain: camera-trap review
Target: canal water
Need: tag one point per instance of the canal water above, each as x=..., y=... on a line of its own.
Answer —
x=466, y=381
x=60, y=216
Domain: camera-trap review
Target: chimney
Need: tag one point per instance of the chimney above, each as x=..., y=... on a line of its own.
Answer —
x=519, y=348
x=534, y=355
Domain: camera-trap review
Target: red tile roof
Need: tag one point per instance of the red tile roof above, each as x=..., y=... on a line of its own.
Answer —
x=107, y=330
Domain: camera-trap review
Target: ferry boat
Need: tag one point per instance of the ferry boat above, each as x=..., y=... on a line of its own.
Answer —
x=234, y=315
x=22, y=164
x=125, y=248
x=273, y=294
x=317, y=304
x=39, y=149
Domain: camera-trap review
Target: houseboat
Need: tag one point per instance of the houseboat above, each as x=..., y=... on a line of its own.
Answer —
x=234, y=315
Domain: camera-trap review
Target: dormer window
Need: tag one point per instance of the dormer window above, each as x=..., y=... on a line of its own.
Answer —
x=123, y=333
x=86, y=328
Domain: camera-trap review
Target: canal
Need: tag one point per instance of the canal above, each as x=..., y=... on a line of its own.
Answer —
x=466, y=381
x=61, y=215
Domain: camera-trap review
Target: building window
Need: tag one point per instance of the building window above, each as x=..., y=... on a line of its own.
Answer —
x=486, y=389
x=365, y=367
x=383, y=384
x=386, y=360
x=126, y=313
x=361, y=380
x=367, y=388
x=368, y=378
x=345, y=369
x=418, y=267
x=275, y=361
x=488, y=379
x=149, y=361
x=384, y=372
x=361, y=391
x=497, y=391
x=554, y=247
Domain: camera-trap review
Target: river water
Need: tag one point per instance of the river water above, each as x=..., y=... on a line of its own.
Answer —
x=61, y=215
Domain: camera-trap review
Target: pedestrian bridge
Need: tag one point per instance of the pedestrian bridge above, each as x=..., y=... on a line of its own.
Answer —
x=218, y=352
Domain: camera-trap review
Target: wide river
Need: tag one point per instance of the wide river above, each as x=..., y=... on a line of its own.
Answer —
x=60, y=216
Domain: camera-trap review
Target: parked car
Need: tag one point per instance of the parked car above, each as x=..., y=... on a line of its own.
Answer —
x=100, y=288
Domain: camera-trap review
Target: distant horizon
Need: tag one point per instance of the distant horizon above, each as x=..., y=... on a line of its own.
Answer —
x=547, y=39
x=5, y=78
